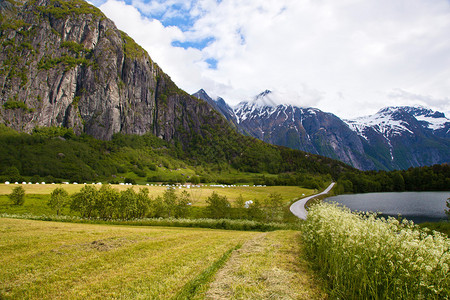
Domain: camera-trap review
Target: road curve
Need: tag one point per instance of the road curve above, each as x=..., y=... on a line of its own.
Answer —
x=298, y=208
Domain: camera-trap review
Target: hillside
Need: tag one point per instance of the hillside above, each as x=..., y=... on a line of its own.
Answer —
x=91, y=104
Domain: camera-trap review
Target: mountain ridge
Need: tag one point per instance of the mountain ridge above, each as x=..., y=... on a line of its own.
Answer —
x=380, y=141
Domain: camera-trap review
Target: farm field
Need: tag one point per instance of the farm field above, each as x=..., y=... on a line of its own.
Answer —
x=198, y=195
x=51, y=260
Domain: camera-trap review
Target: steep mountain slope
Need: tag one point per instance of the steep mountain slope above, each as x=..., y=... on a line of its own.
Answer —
x=63, y=63
x=219, y=105
x=394, y=138
x=403, y=137
x=306, y=129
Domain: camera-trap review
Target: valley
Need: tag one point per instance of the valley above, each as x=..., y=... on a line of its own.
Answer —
x=116, y=183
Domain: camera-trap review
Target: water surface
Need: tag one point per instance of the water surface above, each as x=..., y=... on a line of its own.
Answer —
x=416, y=206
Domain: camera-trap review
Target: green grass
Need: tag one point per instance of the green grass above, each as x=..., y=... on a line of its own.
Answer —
x=200, y=282
x=36, y=196
x=443, y=226
x=35, y=204
x=228, y=224
x=49, y=260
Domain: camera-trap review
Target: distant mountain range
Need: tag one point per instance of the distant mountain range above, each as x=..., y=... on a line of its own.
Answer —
x=394, y=138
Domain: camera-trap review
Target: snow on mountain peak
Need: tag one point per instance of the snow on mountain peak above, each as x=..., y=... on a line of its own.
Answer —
x=390, y=122
x=266, y=98
x=273, y=99
x=265, y=104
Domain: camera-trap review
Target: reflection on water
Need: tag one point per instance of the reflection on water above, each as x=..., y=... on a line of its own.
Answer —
x=416, y=206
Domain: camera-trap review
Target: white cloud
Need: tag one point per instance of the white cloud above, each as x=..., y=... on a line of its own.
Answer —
x=349, y=57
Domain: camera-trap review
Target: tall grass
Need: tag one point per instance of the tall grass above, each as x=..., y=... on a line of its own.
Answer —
x=364, y=257
x=228, y=224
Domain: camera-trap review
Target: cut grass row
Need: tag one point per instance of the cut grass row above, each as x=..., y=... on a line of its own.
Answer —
x=270, y=266
x=51, y=260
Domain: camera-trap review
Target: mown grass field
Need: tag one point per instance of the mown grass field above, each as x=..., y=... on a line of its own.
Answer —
x=51, y=260
x=37, y=195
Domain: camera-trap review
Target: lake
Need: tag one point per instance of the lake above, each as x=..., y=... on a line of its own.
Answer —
x=417, y=206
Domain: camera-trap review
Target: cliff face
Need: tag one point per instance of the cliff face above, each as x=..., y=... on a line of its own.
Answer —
x=63, y=63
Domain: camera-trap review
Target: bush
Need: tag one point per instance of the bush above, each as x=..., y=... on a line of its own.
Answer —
x=12, y=174
x=84, y=201
x=218, y=206
x=130, y=180
x=17, y=195
x=58, y=199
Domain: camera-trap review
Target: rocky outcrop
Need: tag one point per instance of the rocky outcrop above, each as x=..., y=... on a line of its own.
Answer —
x=220, y=106
x=63, y=63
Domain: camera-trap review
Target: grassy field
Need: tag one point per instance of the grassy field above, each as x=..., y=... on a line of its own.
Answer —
x=269, y=266
x=198, y=195
x=50, y=260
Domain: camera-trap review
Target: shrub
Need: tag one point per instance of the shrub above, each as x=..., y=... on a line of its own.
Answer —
x=218, y=206
x=58, y=199
x=12, y=174
x=130, y=180
x=17, y=195
x=84, y=201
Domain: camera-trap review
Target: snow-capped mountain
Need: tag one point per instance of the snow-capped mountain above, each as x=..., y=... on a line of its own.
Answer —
x=405, y=136
x=393, y=138
x=303, y=128
x=397, y=120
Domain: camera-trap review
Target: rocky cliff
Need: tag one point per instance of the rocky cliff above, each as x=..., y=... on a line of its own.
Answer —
x=63, y=63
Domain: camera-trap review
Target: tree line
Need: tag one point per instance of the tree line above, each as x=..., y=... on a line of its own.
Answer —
x=433, y=178
x=108, y=203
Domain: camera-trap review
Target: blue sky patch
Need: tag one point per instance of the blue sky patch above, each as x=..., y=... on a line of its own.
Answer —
x=212, y=63
x=193, y=44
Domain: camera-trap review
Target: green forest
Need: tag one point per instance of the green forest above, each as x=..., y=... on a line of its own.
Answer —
x=56, y=154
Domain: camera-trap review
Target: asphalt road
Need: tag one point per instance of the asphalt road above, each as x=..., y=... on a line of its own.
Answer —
x=298, y=208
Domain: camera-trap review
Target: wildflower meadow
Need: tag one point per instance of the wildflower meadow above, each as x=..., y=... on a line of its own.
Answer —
x=366, y=257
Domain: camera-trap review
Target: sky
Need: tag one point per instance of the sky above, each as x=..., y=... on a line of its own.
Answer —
x=347, y=57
